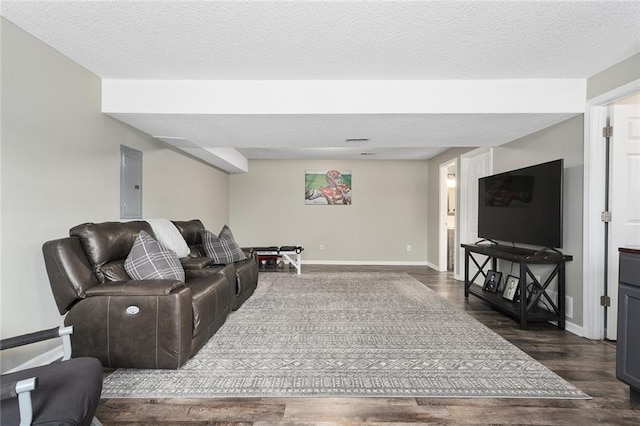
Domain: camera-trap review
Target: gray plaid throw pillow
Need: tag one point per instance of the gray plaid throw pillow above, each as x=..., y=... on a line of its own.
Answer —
x=223, y=248
x=149, y=260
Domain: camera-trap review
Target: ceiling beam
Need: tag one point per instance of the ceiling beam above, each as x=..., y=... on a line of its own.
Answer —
x=344, y=96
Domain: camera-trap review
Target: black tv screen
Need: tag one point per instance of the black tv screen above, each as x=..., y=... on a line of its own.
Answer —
x=523, y=206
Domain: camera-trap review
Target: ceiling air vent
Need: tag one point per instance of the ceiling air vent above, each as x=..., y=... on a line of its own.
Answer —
x=351, y=140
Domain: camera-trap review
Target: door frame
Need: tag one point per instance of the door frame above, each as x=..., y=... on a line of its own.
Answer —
x=593, y=260
x=442, y=232
x=462, y=211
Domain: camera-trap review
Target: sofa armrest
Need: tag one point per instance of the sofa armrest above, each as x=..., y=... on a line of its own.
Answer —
x=135, y=288
x=250, y=253
x=196, y=262
x=134, y=324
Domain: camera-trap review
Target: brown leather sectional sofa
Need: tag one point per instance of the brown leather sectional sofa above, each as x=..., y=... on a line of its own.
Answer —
x=157, y=323
x=245, y=272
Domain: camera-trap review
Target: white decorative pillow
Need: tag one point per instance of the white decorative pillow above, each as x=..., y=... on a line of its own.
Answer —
x=223, y=248
x=169, y=236
x=149, y=260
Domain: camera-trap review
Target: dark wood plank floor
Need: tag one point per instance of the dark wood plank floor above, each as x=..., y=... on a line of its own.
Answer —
x=590, y=365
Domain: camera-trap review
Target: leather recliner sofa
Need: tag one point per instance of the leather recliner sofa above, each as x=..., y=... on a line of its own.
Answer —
x=244, y=272
x=127, y=323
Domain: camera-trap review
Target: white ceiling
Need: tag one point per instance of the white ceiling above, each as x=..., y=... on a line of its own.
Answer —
x=342, y=41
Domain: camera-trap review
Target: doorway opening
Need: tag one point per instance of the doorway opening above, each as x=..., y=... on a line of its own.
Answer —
x=473, y=165
x=448, y=195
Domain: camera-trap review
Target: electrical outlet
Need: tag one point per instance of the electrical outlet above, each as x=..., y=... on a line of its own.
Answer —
x=321, y=246
x=409, y=247
x=568, y=303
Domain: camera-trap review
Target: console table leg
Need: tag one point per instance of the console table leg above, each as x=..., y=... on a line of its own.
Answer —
x=523, y=295
x=466, y=274
x=561, y=298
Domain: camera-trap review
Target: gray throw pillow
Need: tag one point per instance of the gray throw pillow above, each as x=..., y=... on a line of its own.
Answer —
x=149, y=260
x=222, y=248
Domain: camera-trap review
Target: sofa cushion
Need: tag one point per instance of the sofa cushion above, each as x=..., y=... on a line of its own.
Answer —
x=149, y=260
x=115, y=271
x=169, y=237
x=190, y=230
x=222, y=248
x=108, y=241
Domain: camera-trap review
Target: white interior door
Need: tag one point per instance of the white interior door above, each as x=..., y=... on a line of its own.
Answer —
x=474, y=165
x=624, y=228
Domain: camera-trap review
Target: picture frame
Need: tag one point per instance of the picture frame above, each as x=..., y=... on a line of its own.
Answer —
x=327, y=187
x=511, y=288
x=492, y=281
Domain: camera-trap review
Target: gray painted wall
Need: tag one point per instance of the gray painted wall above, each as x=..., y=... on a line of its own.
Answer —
x=564, y=140
x=60, y=167
x=614, y=77
x=389, y=211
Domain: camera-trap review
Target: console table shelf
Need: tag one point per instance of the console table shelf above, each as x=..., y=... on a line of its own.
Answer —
x=525, y=310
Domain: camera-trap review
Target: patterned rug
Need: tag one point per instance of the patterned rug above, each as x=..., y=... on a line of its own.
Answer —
x=348, y=334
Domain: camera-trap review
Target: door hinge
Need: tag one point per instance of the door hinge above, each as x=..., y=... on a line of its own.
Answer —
x=607, y=132
x=605, y=301
x=605, y=217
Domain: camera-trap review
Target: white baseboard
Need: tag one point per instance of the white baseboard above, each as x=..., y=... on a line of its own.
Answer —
x=434, y=267
x=574, y=328
x=570, y=327
x=364, y=262
x=42, y=359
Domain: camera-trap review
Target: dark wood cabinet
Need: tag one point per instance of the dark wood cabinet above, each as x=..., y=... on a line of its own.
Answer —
x=532, y=290
x=628, y=346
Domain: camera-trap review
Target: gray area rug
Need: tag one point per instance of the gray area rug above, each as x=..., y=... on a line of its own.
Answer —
x=348, y=334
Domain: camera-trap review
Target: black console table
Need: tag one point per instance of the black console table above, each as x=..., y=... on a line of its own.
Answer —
x=527, y=309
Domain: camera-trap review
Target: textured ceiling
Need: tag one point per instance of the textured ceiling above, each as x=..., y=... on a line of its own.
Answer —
x=367, y=40
x=335, y=40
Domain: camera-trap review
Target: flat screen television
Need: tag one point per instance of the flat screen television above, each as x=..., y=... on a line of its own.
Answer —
x=523, y=206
